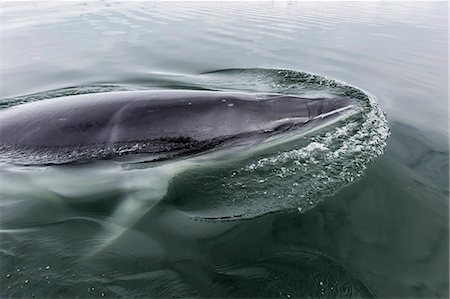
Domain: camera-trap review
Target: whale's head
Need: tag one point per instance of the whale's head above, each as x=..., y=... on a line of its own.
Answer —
x=294, y=106
x=286, y=111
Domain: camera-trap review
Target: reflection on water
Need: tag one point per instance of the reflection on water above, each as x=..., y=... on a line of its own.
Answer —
x=385, y=235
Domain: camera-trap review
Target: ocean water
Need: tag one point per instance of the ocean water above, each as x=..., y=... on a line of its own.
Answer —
x=355, y=209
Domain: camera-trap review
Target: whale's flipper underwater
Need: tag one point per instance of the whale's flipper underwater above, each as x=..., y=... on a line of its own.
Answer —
x=161, y=124
x=173, y=131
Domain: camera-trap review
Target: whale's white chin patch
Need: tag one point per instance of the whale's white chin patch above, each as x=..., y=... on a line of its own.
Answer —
x=288, y=120
x=335, y=112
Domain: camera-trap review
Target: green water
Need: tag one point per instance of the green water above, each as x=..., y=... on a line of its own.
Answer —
x=377, y=224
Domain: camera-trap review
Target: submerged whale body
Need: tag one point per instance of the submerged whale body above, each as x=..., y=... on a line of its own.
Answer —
x=164, y=123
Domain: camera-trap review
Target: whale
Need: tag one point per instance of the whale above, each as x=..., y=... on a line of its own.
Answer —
x=160, y=124
x=173, y=132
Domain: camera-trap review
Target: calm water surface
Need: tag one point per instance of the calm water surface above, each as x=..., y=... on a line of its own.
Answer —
x=385, y=235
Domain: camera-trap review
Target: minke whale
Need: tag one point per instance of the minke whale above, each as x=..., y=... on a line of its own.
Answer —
x=158, y=123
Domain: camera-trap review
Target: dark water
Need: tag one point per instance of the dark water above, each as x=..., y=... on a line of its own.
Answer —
x=103, y=230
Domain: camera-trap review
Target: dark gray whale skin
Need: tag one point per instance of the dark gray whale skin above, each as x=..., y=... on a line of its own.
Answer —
x=164, y=120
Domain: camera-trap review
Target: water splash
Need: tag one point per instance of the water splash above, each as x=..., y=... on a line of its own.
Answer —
x=295, y=175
